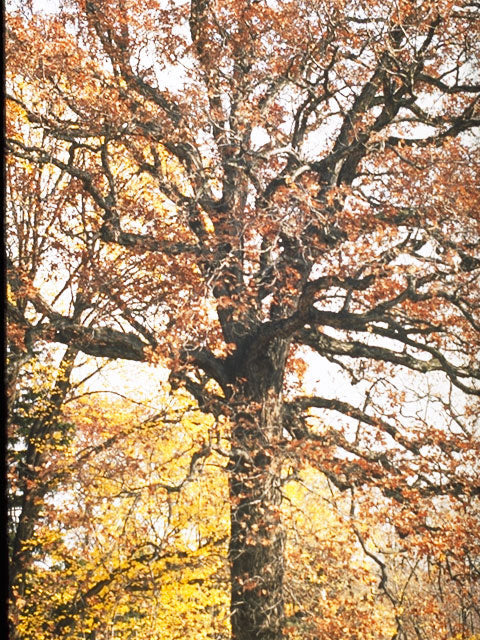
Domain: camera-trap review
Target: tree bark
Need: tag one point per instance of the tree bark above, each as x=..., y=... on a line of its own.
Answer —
x=257, y=538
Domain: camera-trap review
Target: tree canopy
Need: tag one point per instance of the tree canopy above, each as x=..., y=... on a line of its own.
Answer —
x=277, y=202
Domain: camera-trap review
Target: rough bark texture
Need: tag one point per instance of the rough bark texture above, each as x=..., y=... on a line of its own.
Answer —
x=257, y=537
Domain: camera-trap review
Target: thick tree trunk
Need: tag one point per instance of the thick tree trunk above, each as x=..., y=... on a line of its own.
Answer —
x=257, y=538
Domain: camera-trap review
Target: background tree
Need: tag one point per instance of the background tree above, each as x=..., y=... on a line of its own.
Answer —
x=242, y=190
x=129, y=539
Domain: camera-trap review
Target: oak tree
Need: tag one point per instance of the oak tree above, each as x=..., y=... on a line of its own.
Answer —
x=279, y=202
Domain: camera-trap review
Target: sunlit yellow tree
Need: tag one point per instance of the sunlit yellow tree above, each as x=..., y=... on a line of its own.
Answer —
x=128, y=536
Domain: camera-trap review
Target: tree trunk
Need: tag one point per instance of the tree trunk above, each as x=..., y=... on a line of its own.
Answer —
x=257, y=538
x=33, y=481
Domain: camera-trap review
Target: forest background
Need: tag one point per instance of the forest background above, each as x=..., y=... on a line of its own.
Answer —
x=243, y=319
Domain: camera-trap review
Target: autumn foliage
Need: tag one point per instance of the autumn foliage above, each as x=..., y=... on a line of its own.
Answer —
x=243, y=319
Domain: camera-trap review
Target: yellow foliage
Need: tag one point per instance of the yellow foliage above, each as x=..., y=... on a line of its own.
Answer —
x=128, y=531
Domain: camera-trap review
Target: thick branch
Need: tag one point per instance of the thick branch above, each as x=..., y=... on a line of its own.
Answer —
x=348, y=410
x=326, y=345
x=103, y=342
